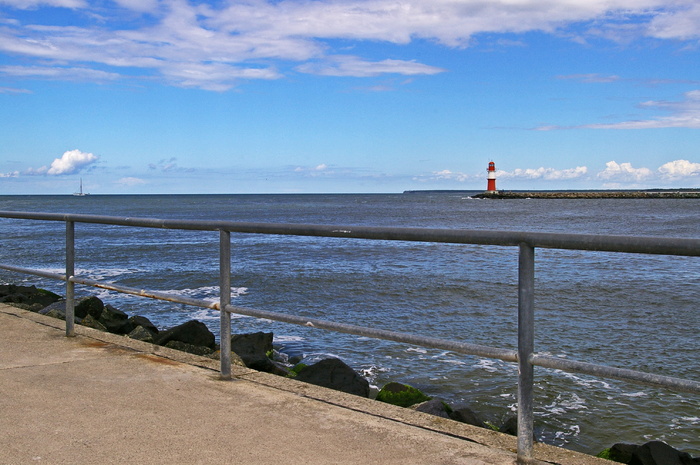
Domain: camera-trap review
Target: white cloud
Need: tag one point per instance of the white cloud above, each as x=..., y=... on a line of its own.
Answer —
x=354, y=66
x=130, y=182
x=679, y=169
x=684, y=114
x=680, y=23
x=447, y=175
x=168, y=165
x=624, y=172
x=12, y=90
x=215, y=45
x=549, y=174
x=27, y=4
x=11, y=174
x=58, y=72
x=71, y=162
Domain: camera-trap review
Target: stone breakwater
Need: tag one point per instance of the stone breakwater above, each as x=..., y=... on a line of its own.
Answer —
x=681, y=194
x=257, y=351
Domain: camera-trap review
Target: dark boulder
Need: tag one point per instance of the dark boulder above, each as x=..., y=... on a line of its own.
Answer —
x=29, y=296
x=253, y=349
x=114, y=320
x=141, y=334
x=468, y=416
x=191, y=332
x=55, y=310
x=91, y=322
x=335, y=374
x=510, y=426
x=189, y=348
x=651, y=453
x=433, y=407
x=89, y=306
x=402, y=395
x=138, y=320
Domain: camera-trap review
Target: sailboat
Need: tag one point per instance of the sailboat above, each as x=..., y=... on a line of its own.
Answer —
x=80, y=193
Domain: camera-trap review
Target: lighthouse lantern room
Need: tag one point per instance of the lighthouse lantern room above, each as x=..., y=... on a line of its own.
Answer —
x=491, y=178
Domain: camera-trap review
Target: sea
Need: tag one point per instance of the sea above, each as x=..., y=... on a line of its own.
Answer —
x=624, y=310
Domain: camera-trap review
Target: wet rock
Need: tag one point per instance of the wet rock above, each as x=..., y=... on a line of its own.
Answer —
x=30, y=297
x=189, y=348
x=92, y=306
x=402, y=395
x=141, y=334
x=651, y=453
x=510, y=426
x=138, y=320
x=253, y=349
x=91, y=322
x=434, y=407
x=468, y=416
x=55, y=310
x=114, y=320
x=191, y=332
x=335, y=374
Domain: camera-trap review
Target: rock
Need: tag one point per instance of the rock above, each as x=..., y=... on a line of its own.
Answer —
x=34, y=299
x=91, y=322
x=191, y=332
x=189, y=348
x=253, y=349
x=138, y=320
x=468, y=416
x=88, y=306
x=402, y=395
x=141, y=334
x=114, y=320
x=659, y=453
x=433, y=407
x=55, y=310
x=619, y=452
x=335, y=374
x=510, y=426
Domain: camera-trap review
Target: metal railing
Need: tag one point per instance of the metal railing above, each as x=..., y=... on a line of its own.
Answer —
x=527, y=242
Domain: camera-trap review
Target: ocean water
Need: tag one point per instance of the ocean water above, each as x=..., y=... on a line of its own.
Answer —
x=625, y=310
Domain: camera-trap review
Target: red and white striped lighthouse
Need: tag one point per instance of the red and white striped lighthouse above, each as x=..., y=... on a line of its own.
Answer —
x=491, y=178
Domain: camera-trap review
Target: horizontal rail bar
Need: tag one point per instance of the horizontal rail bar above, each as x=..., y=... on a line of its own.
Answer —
x=435, y=343
x=43, y=274
x=146, y=293
x=593, y=242
x=624, y=374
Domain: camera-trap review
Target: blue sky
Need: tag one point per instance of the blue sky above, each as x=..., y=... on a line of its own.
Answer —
x=316, y=96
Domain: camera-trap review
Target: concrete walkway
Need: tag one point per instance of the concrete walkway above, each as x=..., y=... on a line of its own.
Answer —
x=101, y=398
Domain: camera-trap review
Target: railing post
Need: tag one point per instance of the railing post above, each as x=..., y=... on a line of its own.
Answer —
x=70, y=285
x=526, y=346
x=224, y=300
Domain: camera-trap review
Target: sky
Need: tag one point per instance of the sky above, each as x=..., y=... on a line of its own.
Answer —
x=347, y=96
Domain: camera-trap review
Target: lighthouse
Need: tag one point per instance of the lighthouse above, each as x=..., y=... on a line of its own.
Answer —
x=491, y=178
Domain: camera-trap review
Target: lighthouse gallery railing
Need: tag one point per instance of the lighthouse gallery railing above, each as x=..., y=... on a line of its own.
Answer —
x=527, y=242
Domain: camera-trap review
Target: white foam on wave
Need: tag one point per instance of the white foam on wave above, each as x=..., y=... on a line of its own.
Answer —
x=419, y=350
x=287, y=338
x=206, y=293
x=585, y=382
x=487, y=365
x=635, y=394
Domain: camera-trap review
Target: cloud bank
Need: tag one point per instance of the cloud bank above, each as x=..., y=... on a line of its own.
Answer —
x=71, y=162
x=614, y=172
x=214, y=45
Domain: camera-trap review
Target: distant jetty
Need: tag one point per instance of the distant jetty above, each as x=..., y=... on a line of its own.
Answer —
x=690, y=193
x=636, y=194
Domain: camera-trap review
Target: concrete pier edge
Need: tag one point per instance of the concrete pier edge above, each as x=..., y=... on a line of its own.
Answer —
x=99, y=340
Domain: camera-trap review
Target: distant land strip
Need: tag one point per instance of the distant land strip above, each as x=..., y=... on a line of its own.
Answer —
x=692, y=193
